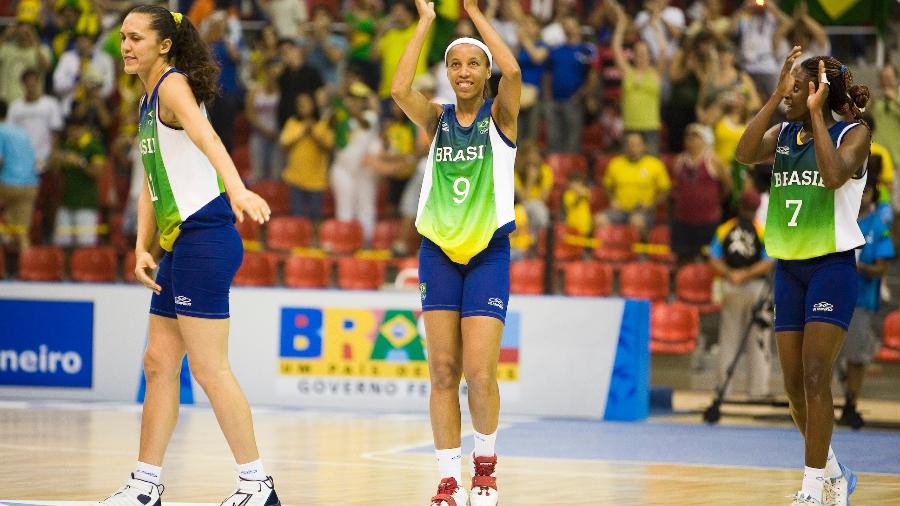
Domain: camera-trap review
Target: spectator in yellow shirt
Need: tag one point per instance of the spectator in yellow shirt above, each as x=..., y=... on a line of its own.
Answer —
x=637, y=184
x=307, y=138
x=577, y=204
x=533, y=183
x=390, y=44
x=520, y=240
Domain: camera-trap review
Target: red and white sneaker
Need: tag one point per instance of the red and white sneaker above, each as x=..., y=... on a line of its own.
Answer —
x=484, y=485
x=449, y=493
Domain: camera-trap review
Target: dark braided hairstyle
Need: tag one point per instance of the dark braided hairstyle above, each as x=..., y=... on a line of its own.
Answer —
x=844, y=97
x=189, y=53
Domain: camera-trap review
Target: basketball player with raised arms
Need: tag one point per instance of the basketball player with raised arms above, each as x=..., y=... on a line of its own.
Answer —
x=192, y=194
x=816, y=187
x=465, y=216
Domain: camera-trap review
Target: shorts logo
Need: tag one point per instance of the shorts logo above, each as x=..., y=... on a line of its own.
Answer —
x=823, y=306
x=494, y=301
x=422, y=290
x=181, y=300
x=782, y=150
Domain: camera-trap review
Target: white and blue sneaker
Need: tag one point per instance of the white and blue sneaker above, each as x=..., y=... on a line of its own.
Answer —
x=837, y=490
x=135, y=492
x=253, y=493
x=801, y=499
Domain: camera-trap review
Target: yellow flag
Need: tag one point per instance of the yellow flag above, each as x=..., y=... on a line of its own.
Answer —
x=837, y=8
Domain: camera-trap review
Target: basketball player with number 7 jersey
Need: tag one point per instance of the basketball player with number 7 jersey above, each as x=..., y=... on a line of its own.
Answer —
x=817, y=184
x=465, y=216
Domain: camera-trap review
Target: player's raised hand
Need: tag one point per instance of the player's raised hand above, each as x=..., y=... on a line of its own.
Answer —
x=142, y=262
x=245, y=201
x=818, y=95
x=426, y=10
x=786, y=80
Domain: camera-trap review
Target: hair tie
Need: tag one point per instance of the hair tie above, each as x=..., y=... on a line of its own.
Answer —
x=842, y=69
x=177, y=17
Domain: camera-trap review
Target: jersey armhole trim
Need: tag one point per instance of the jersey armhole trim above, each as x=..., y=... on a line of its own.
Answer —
x=863, y=171
x=503, y=136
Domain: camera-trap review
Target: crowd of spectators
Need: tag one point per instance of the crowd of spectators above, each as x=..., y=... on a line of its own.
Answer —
x=652, y=96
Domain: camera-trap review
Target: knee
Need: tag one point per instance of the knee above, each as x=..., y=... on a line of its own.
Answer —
x=445, y=374
x=481, y=379
x=206, y=372
x=817, y=378
x=160, y=365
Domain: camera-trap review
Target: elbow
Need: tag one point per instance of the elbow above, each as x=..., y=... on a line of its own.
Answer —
x=399, y=92
x=832, y=183
x=513, y=73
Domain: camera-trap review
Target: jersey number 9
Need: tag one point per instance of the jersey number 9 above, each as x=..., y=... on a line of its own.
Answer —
x=461, y=189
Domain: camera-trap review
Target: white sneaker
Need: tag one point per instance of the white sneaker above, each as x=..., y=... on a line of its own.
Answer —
x=253, y=493
x=801, y=499
x=449, y=493
x=135, y=492
x=837, y=490
x=484, y=484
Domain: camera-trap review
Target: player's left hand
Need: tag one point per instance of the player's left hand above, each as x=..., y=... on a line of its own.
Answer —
x=245, y=201
x=817, y=97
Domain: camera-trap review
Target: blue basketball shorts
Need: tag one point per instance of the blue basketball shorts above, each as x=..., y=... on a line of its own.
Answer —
x=196, y=275
x=822, y=289
x=479, y=288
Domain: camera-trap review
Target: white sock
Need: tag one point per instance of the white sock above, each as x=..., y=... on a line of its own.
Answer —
x=832, y=468
x=147, y=472
x=252, y=471
x=813, y=482
x=450, y=463
x=484, y=444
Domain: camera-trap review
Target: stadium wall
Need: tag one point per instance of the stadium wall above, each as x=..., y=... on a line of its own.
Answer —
x=560, y=356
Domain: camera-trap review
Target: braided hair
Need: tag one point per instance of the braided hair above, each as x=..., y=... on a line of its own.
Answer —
x=189, y=53
x=844, y=97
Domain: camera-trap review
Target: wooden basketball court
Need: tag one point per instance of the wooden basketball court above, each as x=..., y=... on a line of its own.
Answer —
x=54, y=453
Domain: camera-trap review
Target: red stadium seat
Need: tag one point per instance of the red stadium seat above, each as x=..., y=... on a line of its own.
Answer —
x=248, y=229
x=240, y=155
x=588, y=278
x=257, y=269
x=284, y=233
x=94, y=265
x=305, y=272
x=340, y=237
x=592, y=137
x=359, y=274
x=128, y=264
x=890, y=342
x=565, y=163
x=674, y=328
x=527, y=277
x=615, y=243
x=644, y=280
x=563, y=250
x=660, y=239
x=693, y=285
x=42, y=263
x=386, y=232
x=276, y=194
x=599, y=199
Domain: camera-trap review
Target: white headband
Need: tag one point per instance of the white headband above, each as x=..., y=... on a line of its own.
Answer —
x=475, y=42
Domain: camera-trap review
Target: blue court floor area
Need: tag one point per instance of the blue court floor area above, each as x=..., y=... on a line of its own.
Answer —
x=654, y=442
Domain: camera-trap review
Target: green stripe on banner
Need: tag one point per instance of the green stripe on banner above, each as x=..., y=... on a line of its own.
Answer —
x=846, y=12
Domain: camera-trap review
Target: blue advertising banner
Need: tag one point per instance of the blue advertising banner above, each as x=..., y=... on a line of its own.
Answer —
x=46, y=343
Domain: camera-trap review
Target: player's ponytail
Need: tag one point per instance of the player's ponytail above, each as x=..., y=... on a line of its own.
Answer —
x=189, y=53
